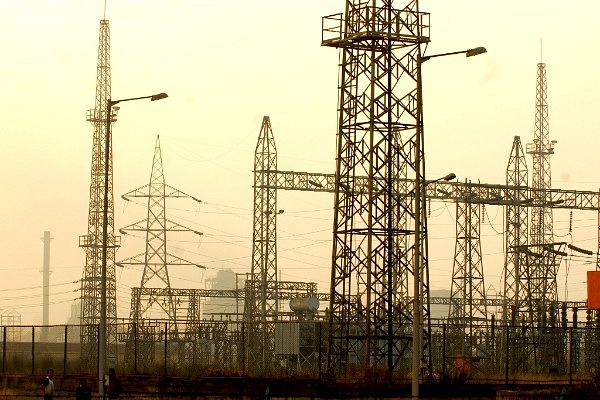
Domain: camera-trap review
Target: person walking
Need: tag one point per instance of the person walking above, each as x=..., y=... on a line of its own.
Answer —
x=48, y=385
x=114, y=387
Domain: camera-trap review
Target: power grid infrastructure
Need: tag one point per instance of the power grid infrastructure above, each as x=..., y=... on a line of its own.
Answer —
x=378, y=304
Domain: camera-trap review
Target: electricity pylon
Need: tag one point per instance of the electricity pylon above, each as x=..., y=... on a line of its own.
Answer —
x=92, y=242
x=156, y=260
x=155, y=287
x=516, y=230
x=468, y=310
x=379, y=133
x=515, y=237
x=261, y=306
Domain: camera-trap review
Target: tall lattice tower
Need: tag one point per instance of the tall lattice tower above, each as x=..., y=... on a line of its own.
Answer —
x=516, y=231
x=515, y=239
x=468, y=310
x=155, y=295
x=541, y=275
x=541, y=150
x=156, y=260
x=379, y=133
x=92, y=242
x=261, y=300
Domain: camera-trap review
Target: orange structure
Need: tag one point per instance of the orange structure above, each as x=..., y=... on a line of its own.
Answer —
x=593, y=290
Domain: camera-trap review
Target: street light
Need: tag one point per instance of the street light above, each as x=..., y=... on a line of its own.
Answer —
x=102, y=334
x=469, y=53
x=417, y=330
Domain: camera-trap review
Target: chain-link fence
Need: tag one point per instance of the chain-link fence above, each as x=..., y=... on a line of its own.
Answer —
x=513, y=354
x=504, y=354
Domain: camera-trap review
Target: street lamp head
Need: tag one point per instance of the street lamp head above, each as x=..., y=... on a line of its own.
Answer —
x=159, y=96
x=476, y=51
x=449, y=177
x=469, y=53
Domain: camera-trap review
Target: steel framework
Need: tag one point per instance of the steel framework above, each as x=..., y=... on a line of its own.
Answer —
x=492, y=194
x=538, y=342
x=156, y=261
x=467, y=315
x=516, y=235
x=516, y=229
x=541, y=149
x=92, y=242
x=261, y=305
x=379, y=133
x=531, y=267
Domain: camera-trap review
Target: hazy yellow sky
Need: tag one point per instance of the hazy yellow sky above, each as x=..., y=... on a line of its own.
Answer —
x=225, y=64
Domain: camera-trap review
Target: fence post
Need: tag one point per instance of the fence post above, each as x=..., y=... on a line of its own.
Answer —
x=320, y=348
x=506, y=355
x=99, y=373
x=166, y=344
x=65, y=352
x=243, y=350
x=32, y=350
x=570, y=356
x=3, y=350
x=493, y=344
x=135, y=348
x=444, y=351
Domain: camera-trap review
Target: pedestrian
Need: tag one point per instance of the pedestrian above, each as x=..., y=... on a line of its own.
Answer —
x=48, y=385
x=83, y=391
x=114, y=386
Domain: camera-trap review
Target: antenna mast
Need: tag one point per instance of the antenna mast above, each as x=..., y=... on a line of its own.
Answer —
x=92, y=241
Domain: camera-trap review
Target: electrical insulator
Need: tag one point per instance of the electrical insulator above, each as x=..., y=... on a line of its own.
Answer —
x=570, y=221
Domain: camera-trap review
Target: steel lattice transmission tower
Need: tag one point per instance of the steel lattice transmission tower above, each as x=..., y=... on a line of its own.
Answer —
x=515, y=238
x=155, y=292
x=156, y=259
x=541, y=150
x=516, y=231
x=261, y=303
x=468, y=308
x=92, y=242
x=379, y=134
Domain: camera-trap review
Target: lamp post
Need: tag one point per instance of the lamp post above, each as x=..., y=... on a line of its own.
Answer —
x=469, y=53
x=102, y=334
x=420, y=183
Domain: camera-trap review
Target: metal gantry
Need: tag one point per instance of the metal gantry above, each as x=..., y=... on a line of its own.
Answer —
x=488, y=193
x=92, y=242
x=515, y=195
